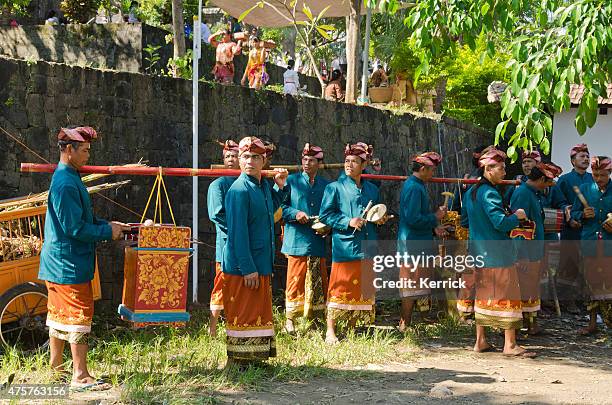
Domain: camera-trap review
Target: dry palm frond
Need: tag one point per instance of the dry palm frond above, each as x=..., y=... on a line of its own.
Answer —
x=33, y=200
x=21, y=235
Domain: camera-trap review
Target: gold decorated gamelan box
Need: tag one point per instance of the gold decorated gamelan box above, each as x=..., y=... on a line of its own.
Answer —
x=155, y=275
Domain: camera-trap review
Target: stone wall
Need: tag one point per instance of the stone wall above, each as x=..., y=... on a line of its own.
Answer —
x=108, y=46
x=114, y=46
x=142, y=117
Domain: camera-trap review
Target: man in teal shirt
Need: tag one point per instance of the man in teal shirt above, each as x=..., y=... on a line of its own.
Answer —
x=216, y=212
x=569, y=261
x=497, y=301
x=417, y=226
x=248, y=256
x=528, y=196
x=529, y=159
x=596, y=220
x=350, y=295
x=67, y=259
x=305, y=249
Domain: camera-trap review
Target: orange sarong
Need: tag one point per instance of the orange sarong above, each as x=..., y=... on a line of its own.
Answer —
x=351, y=291
x=249, y=324
x=70, y=309
x=498, y=298
x=216, y=295
x=306, y=286
x=465, y=296
x=529, y=281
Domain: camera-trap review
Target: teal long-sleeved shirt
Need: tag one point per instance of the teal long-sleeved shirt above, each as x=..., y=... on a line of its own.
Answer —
x=532, y=201
x=489, y=225
x=566, y=184
x=300, y=195
x=249, y=206
x=71, y=231
x=216, y=211
x=593, y=227
x=417, y=221
x=343, y=200
x=511, y=189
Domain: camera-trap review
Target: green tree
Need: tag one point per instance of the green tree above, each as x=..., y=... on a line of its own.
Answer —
x=554, y=43
x=79, y=11
x=17, y=6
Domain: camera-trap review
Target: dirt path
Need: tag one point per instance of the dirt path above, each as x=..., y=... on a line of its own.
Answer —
x=568, y=370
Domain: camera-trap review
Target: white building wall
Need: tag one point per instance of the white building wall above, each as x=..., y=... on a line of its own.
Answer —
x=565, y=136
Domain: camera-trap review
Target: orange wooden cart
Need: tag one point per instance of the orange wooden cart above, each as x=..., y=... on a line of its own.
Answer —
x=23, y=297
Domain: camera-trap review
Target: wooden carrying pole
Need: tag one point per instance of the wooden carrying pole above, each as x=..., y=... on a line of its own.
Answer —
x=292, y=168
x=138, y=171
x=448, y=180
x=188, y=172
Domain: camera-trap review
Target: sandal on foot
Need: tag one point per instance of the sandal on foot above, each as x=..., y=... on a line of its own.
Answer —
x=525, y=354
x=488, y=349
x=94, y=386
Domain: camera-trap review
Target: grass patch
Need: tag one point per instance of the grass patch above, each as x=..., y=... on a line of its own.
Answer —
x=168, y=365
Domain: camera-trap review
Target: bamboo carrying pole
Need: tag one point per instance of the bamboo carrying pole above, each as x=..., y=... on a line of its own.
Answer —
x=291, y=168
x=188, y=172
x=449, y=180
x=135, y=171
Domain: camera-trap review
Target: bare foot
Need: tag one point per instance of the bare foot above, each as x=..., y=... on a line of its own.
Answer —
x=331, y=339
x=519, y=351
x=83, y=380
x=289, y=327
x=403, y=325
x=483, y=347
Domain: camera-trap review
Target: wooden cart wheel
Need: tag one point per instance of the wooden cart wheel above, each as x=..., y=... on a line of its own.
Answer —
x=23, y=316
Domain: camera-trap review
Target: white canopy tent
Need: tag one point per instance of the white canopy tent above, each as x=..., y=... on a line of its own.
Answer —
x=276, y=15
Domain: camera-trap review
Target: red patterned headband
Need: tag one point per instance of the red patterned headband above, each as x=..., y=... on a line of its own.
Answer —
x=601, y=163
x=79, y=134
x=252, y=144
x=312, y=150
x=360, y=149
x=550, y=170
x=491, y=157
x=534, y=154
x=581, y=147
x=270, y=149
x=428, y=159
x=229, y=145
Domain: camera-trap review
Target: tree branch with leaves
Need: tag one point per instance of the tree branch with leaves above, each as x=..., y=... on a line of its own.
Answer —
x=555, y=44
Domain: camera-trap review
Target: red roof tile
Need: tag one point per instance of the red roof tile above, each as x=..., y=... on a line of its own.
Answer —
x=576, y=92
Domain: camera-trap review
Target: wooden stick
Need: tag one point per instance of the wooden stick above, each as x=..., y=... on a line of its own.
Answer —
x=188, y=172
x=581, y=197
x=552, y=282
x=291, y=168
